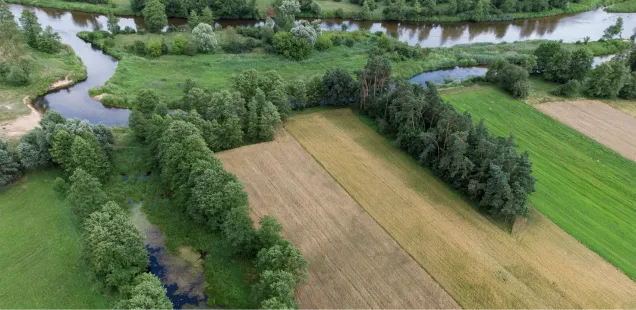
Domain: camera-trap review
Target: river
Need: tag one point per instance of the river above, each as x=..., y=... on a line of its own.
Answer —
x=75, y=101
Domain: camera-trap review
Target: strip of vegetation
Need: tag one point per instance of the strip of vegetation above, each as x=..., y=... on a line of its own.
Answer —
x=196, y=184
x=627, y=6
x=31, y=60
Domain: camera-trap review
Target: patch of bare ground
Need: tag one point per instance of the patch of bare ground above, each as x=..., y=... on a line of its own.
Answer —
x=353, y=262
x=608, y=126
x=477, y=262
x=18, y=127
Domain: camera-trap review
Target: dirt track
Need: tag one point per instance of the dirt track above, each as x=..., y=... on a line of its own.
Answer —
x=353, y=262
x=599, y=121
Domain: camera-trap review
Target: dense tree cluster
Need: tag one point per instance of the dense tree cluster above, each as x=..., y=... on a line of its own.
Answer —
x=484, y=167
x=231, y=9
x=10, y=169
x=560, y=65
x=197, y=182
x=47, y=41
x=147, y=293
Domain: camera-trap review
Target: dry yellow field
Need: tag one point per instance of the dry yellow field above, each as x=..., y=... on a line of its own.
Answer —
x=353, y=263
x=478, y=263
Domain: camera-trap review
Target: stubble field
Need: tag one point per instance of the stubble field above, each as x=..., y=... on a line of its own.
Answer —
x=477, y=262
x=353, y=263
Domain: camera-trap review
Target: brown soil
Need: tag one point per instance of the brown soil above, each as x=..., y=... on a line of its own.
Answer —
x=599, y=121
x=353, y=262
x=18, y=127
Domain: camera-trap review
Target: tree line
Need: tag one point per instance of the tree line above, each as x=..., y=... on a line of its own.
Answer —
x=197, y=183
x=113, y=246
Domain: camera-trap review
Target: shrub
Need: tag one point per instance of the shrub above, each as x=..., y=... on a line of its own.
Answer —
x=514, y=79
x=337, y=40
x=275, y=288
x=49, y=41
x=147, y=293
x=340, y=88
x=340, y=13
x=10, y=169
x=154, y=48
x=323, y=43
x=140, y=48
x=60, y=186
x=191, y=48
x=607, y=79
x=205, y=38
x=290, y=46
x=179, y=44
x=568, y=90
x=114, y=247
x=349, y=42
x=154, y=14
x=85, y=194
x=33, y=150
x=18, y=76
x=239, y=230
x=316, y=8
x=629, y=89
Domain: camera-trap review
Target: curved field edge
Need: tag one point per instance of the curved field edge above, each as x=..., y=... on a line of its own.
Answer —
x=122, y=8
x=478, y=263
x=353, y=262
x=41, y=259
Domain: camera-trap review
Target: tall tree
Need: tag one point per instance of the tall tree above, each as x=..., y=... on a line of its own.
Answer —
x=154, y=14
x=113, y=23
x=30, y=27
x=88, y=156
x=147, y=293
x=9, y=166
x=283, y=256
x=85, y=195
x=239, y=230
x=12, y=47
x=269, y=122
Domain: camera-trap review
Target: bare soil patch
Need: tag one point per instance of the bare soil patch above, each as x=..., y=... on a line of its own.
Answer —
x=608, y=126
x=16, y=128
x=478, y=263
x=353, y=262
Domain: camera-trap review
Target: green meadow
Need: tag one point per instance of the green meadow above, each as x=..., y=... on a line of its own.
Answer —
x=585, y=188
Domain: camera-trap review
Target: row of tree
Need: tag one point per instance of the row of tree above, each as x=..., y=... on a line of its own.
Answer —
x=197, y=183
x=113, y=247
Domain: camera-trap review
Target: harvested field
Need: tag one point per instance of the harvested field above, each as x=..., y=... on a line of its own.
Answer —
x=599, y=121
x=353, y=263
x=478, y=263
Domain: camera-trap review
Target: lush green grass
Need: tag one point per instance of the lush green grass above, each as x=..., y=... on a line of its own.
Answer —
x=627, y=6
x=47, y=68
x=40, y=250
x=226, y=277
x=585, y=188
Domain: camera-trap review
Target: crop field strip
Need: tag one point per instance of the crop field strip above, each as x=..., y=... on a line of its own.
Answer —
x=353, y=263
x=608, y=126
x=478, y=263
x=585, y=188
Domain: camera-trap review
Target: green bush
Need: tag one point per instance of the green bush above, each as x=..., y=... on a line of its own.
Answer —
x=568, y=90
x=154, y=48
x=337, y=40
x=290, y=46
x=191, y=48
x=179, y=44
x=18, y=76
x=140, y=48
x=323, y=43
x=349, y=42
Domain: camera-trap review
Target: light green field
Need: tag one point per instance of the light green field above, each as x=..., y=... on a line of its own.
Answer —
x=583, y=187
x=627, y=6
x=40, y=255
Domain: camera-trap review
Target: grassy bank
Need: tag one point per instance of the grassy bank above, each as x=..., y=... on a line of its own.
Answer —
x=582, y=186
x=627, y=6
x=40, y=250
x=330, y=9
x=166, y=74
x=47, y=68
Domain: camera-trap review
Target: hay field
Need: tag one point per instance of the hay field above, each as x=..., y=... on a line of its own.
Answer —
x=608, y=126
x=353, y=263
x=478, y=263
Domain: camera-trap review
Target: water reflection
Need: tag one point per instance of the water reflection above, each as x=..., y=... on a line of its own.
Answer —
x=456, y=74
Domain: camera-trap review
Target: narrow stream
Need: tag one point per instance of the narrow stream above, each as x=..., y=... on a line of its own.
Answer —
x=76, y=103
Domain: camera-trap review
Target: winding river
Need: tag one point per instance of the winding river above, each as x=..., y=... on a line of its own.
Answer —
x=75, y=101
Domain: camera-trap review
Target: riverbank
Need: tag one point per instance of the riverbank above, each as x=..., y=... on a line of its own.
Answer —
x=166, y=74
x=627, y=6
x=331, y=10
x=51, y=73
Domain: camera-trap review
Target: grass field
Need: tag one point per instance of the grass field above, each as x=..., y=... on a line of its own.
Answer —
x=47, y=68
x=40, y=255
x=478, y=263
x=627, y=6
x=583, y=187
x=353, y=263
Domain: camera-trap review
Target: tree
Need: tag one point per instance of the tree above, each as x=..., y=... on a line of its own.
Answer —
x=428, y=7
x=569, y=89
x=544, y=53
x=374, y=79
x=581, y=64
x=179, y=43
x=49, y=41
x=291, y=46
x=30, y=27
x=239, y=230
x=283, y=256
x=269, y=232
x=614, y=30
x=88, y=156
x=252, y=117
x=214, y=194
x=558, y=67
x=339, y=86
x=154, y=14
x=286, y=13
x=193, y=19
x=9, y=166
x=10, y=35
x=85, y=194
x=451, y=9
x=206, y=39
x=113, y=24
x=137, y=5
x=269, y=122
x=207, y=16
x=365, y=12
x=61, y=150
x=115, y=250
x=304, y=30
x=275, y=287
x=33, y=150
x=481, y=9
x=607, y=79
x=629, y=89
x=154, y=48
x=147, y=293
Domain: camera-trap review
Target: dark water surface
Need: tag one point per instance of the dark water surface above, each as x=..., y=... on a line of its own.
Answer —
x=75, y=102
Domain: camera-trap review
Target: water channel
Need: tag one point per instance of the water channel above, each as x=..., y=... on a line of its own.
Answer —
x=75, y=101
